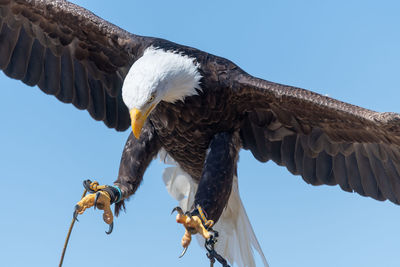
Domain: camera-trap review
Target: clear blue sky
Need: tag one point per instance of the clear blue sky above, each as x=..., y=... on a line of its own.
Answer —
x=346, y=49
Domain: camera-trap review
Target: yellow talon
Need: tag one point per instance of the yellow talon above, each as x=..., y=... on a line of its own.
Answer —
x=94, y=186
x=193, y=225
x=102, y=202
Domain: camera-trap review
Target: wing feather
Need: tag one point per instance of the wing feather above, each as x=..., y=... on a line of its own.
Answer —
x=324, y=171
x=50, y=79
x=20, y=57
x=339, y=170
x=368, y=180
x=288, y=153
x=35, y=66
x=309, y=170
x=66, y=93
x=97, y=99
x=8, y=40
x=299, y=155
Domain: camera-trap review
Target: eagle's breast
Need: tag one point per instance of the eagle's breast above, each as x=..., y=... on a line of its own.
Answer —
x=185, y=128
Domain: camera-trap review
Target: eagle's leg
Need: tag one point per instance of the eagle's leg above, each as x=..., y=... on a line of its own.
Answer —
x=136, y=156
x=214, y=187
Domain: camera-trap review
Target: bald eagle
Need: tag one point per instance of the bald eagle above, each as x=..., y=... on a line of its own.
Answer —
x=196, y=111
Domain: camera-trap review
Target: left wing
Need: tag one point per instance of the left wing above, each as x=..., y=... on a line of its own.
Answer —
x=324, y=140
x=70, y=53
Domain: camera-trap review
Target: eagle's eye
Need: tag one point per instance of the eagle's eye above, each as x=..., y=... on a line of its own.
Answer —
x=151, y=99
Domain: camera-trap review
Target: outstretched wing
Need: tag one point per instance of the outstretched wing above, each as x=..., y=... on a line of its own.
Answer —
x=69, y=53
x=323, y=140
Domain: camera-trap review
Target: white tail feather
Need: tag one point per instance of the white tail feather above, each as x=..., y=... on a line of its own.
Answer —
x=236, y=236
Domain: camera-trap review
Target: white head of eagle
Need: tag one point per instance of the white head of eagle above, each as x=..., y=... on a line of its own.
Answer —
x=158, y=76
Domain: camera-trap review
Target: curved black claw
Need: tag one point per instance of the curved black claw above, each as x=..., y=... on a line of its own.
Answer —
x=183, y=252
x=189, y=214
x=75, y=214
x=110, y=229
x=95, y=199
x=178, y=209
x=86, y=185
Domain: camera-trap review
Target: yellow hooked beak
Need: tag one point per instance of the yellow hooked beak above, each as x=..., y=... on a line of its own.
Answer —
x=138, y=119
